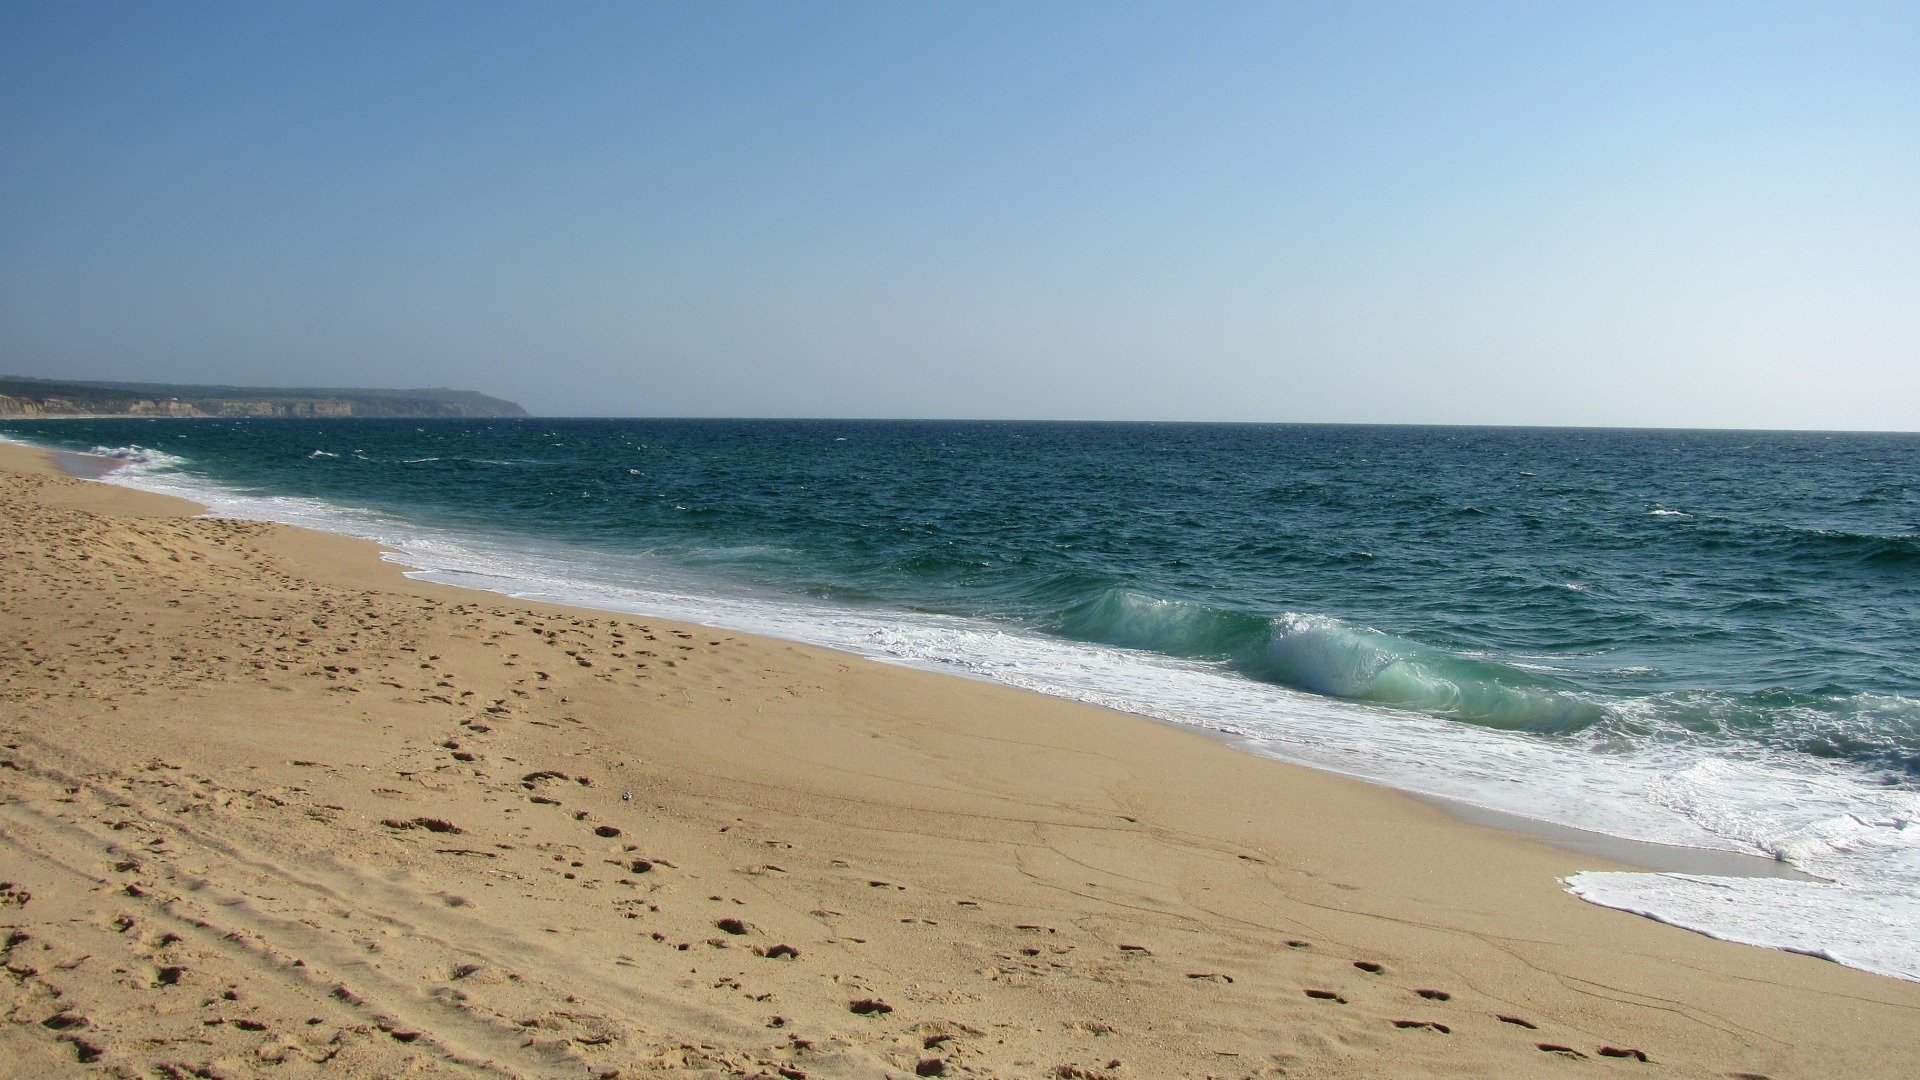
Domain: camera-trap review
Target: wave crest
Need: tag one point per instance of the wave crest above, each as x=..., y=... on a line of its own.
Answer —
x=134, y=455
x=1325, y=656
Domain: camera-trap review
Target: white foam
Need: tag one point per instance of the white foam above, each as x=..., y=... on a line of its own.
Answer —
x=139, y=456
x=1824, y=819
x=1860, y=926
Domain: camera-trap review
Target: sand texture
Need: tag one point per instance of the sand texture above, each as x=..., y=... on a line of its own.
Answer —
x=268, y=808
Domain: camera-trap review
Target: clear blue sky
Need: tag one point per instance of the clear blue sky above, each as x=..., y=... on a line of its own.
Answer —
x=1696, y=214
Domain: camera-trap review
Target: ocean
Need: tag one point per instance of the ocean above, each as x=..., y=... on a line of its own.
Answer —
x=1704, y=639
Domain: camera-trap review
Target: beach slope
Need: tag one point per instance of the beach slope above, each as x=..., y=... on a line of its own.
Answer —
x=268, y=807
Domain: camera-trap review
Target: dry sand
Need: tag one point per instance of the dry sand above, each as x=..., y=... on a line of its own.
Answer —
x=269, y=808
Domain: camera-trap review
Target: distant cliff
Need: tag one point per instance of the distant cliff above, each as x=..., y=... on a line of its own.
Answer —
x=53, y=397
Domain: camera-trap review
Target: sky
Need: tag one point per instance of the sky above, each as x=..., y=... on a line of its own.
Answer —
x=1662, y=214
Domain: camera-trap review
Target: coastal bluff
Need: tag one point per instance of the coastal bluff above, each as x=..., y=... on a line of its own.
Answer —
x=20, y=396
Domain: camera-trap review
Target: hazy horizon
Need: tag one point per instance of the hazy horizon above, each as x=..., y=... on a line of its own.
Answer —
x=1497, y=214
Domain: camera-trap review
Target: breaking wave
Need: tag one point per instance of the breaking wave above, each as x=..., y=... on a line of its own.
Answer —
x=1325, y=656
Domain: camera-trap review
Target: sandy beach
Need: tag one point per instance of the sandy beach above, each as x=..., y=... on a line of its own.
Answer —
x=267, y=807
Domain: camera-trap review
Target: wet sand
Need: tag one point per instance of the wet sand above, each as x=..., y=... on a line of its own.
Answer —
x=266, y=806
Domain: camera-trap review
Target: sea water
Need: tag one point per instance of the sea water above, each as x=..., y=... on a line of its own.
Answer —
x=1694, y=638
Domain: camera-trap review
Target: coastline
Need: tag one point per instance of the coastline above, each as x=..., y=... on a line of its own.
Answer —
x=1638, y=854
x=1029, y=885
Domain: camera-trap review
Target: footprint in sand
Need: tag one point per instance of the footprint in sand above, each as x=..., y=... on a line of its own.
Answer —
x=87, y=1052
x=437, y=825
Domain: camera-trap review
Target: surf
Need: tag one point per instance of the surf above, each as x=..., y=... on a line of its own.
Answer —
x=1324, y=655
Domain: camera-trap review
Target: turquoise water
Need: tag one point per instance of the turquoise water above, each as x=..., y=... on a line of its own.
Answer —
x=1707, y=638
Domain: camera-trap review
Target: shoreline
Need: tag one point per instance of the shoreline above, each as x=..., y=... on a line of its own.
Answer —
x=1027, y=884
x=1618, y=851
x=84, y=466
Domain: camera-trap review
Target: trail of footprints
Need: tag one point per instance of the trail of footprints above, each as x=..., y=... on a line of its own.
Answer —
x=1428, y=994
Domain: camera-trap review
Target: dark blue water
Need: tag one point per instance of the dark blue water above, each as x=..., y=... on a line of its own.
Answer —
x=1735, y=615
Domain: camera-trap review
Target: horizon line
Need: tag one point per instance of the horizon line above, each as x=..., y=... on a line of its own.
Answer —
x=1462, y=425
